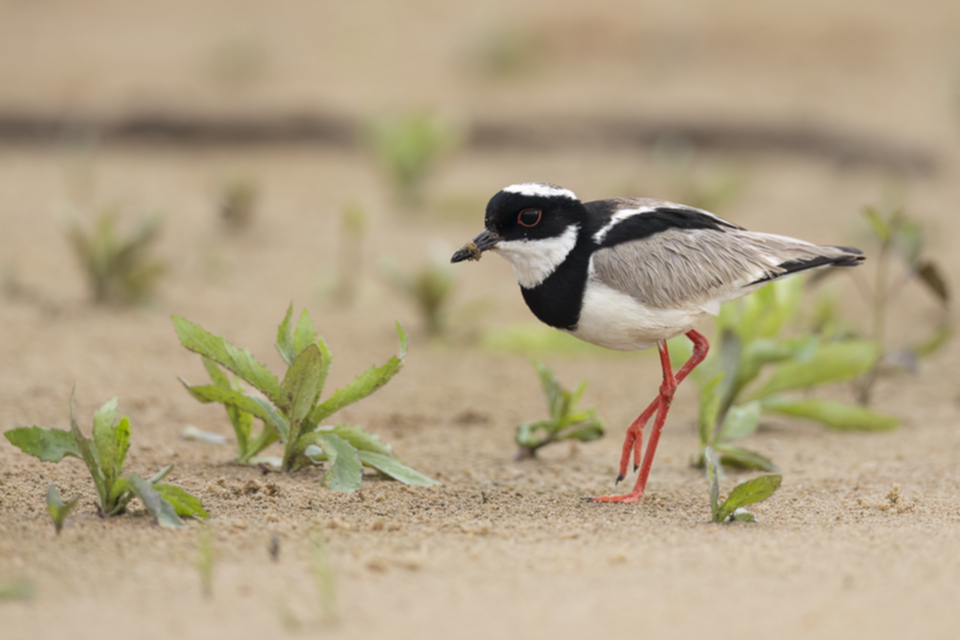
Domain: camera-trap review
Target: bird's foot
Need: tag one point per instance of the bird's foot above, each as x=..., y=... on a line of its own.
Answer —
x=627, y=498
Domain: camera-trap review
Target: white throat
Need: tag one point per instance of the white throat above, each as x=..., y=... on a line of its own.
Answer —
x=534, y=260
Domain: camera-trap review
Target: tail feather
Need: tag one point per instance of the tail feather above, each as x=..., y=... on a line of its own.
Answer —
x=850, y=257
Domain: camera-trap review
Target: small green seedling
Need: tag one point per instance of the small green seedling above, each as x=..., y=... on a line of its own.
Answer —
x=901, y=239
x=743, y=495
x=58, y=509
x=21, y=589
x=118, y=269
x=205, y=554
x=238, y=203
x=291, y=410
x=566, y=422
x=409, y=148
x=430, y=288
x=734, y=393
x=323, y=575
x=104, y=456
x=353, y=227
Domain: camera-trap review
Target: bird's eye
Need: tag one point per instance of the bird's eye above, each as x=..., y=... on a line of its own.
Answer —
x=529, y=217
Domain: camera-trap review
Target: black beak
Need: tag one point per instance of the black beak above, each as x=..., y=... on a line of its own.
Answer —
x=472, y=250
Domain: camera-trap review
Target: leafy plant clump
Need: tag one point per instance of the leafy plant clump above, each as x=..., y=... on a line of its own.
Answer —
x=733, y=508
x=566, y=422
x=119, y=269
x=57, y=508
x=291, y=410
x=104, y=456
x=430, y=288
x=753, y=368
x=409, y=148
x=901, y=239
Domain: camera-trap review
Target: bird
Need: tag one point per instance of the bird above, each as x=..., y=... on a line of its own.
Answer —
x=630, y=273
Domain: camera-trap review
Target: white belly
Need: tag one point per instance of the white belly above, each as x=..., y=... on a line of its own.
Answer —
x=615, y=320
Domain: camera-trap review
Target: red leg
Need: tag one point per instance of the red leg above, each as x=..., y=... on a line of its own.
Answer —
x=661, y=404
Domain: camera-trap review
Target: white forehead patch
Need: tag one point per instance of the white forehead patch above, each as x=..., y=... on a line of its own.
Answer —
x=534, y=260
x=541, y=189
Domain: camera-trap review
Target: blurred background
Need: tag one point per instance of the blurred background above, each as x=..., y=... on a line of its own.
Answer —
x=218, y=159
x=336, y=153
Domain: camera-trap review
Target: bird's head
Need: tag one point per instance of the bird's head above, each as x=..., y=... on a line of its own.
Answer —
x=532, y=217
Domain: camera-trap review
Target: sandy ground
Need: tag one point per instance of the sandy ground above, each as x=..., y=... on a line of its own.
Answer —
x=501, y=548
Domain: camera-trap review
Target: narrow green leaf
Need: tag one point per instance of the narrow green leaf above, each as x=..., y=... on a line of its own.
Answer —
x=183, y=503
x=831, y=413
x=284, y=343
x=345, y=472
x=160, y=475
x=877, y=224
x=92, y=460
x=300, y=387
x=104, y=438
x=402, y=337
x=242, y=422
x=58, y=510
x=258, y=407
x=266, y=437
x=304, y=336
x=552, y=390
x=217, y=376
x=116, y=497
x=50, y=445
x=155, y=503
x=713, y=471
x=583, y=431
x=740, y=422
x=831, y=362
x=361, y=386
x=360, y=439
x=709, y=406
x=273, y=419
x=526, y=435
x=122, y=440
x=740, y=458
x=395, y=469
x=749, y=493
x=240, y=361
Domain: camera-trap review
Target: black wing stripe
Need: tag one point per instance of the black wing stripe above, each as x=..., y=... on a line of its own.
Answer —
x=643, y=225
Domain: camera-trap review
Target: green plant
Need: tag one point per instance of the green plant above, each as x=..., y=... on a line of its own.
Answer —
x=119, y=269
x=238, y=202
x=323, y=575
x=408, y=149
x=21, y=589
x=566, y=422
x=900, y=238
x=752, y=367
x=353, y=227
x=733, y=508
x=57, y=508
x=104, y=456
x=291, y=410
x=430, y=288
x=205, y=537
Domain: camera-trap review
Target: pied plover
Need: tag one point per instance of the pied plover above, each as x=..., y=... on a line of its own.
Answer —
x=630, y=273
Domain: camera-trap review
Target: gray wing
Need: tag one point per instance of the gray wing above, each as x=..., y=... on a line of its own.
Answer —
x=704, y=268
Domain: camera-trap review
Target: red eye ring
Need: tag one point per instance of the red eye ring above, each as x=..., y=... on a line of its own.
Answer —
x=530, y=221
